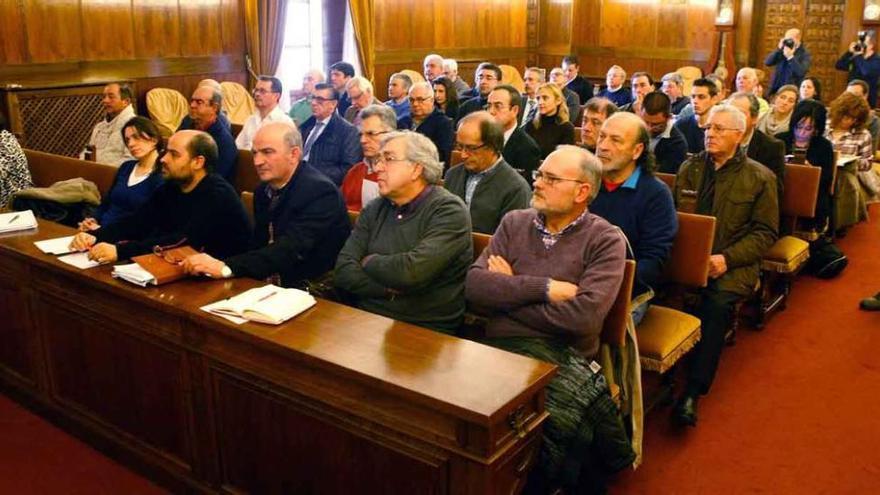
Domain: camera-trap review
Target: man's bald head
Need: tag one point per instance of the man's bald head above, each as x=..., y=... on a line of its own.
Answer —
x=277, y=151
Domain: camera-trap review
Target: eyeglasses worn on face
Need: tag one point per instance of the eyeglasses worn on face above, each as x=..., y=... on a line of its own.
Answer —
x=718, y=128
x=550, y=179
x=320, y=99
x=413, y=99
x=385, y=159
x=373, y=134
x=468, y=148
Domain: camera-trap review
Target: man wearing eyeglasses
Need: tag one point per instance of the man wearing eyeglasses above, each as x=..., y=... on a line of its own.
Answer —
x=741, y=194
x=546, y=282
x=360, y=185
x=360, y=92
x=204, y=115
x=632, y=198
x=332, y=144
x=194, y=206
x=428, y=120
x=487, y=77
x=487, y=184
x=667, y=143
x=267, y=94
x=409, y=251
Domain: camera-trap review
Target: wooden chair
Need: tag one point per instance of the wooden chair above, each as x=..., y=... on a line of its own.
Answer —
x=246, y=178
x=510, y=75
x=789, y=254
x=481, y=242
x=614, y=327
x=689, y=74
x=237, y=101
x=47, y=169
x=668, y=179
x=247, y=200
x=167, y=108
x=415, y=76
x=666, y=334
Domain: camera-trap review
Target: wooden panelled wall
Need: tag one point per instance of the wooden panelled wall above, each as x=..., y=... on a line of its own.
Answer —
x=157, y=43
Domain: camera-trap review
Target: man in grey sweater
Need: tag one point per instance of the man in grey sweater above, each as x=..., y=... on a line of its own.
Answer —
x=407, y=257
x=487, y=184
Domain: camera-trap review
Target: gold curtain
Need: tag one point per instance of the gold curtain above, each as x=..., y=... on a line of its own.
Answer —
x=362, y=19
x=264, y=25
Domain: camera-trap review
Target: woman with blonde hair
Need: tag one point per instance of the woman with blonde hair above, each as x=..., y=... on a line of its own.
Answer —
x=849, y=115
x=551, y=126
x=778, y=119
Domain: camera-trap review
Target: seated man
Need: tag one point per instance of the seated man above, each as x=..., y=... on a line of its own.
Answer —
x=331, y=145
x=634, y=200
x=204, y=115
x=408, y=254
x=301, y=222
x=398, y=94
x=450, y=70
x=428, y=120
x=520, y=150
x=704, y=95
x=340, y=74
x=547, y=280
x=533, y=78
x=486, y=183
x=673, y=86
x=301, y=109
x=641, y=84
x=747, y=81
x=267, y=95
x=614, y=89
x=360, y=185
x=487, y=77
x=741, y=194
x=360, y=92
x=667, y=143
x=596, y=111
x=194, y=207
x=106, y=138
x=583, y=88
x=433, y=67
x=764, y=149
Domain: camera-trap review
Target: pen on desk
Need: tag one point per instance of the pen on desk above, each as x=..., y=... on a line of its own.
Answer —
x=267, y=296
x=14, y=218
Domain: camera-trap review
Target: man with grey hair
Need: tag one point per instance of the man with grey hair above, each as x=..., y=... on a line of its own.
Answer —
x=546, y=282
x=450, y=70
x=299, y=216
x=360, y=185
x=204, y=115
x=747, y=82
x=533, y=78
x=301, y=109
x=764, y=149
x=433, y=67
x=409, y=251
x=673, y=86
x=428, y=120
x=614, y=89
x=398, y=91
x=487, y=184
x=741, y=194
x=360, y=93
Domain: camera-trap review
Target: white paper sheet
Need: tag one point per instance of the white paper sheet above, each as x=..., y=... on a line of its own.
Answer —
x=79, y=260
x=59, y=245
x=17, y=220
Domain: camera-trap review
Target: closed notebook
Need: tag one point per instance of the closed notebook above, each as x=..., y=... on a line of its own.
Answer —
x=17, y=220
x=165, y=265
x=268, y=304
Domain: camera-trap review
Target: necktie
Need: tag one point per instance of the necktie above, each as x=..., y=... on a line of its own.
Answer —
x=532, y=111
x=311, y=140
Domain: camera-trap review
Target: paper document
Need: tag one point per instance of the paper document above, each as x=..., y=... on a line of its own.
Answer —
x=268, y=304
x=842, y=160
x=133, y=273
x=17, y=220
x=59, y=245
x=79, y=260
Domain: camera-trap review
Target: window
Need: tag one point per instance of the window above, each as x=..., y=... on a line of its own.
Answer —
x=303, y=45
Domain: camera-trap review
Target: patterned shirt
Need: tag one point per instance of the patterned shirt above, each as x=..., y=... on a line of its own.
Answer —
x=856, y=143
x=549, y=238
x=473, y=181
x=14, y=173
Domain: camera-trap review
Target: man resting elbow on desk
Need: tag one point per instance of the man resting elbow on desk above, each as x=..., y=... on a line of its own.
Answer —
x=300, y=216
x=194, y=207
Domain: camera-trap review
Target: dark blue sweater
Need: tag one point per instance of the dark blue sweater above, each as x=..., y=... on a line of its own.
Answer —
x=643, y=208
x=693, y=133
x=123, y=200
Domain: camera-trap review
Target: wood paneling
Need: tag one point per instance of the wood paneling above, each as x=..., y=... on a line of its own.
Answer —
x=200, y=28
x=12, y=42
x=107, y=31
x=156, y=28
x=52, y=30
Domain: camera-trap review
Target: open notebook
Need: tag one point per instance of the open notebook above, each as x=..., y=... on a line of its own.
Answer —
x=17, y=220
x=268, y=304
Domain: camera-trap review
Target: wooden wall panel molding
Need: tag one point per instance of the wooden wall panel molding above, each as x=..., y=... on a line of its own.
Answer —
x=52, y=30
x=156, y=28
x=413, y=58
x=107, y=31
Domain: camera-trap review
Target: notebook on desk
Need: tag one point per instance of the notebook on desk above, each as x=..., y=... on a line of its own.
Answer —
x=17, y=220
x=268, y=304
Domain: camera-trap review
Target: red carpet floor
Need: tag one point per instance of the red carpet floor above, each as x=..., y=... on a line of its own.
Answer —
x=794, y=407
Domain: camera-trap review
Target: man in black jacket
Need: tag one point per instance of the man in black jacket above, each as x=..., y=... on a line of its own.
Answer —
x=584, y=89
x=791, y=59
x=764, y=149
x=667, y=143
x=428, y=120
x=487, y=77
x=301, y=222
x=520, y=150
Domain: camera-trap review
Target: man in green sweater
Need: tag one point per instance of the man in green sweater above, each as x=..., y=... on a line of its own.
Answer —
x=408, y=255
x=487, y=184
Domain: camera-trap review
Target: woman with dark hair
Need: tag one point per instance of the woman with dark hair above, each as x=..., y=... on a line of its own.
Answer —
x=136, y=179
x=807, y=136
x=551, y=126
x=14, y=173
x=849, y=115
x=811, y=89
x=445, y=97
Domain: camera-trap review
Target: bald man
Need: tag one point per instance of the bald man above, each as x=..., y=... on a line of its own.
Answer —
x=791, y=59
x=747, y=82
x=205, y=106
x=194, y=206
x=300, y=217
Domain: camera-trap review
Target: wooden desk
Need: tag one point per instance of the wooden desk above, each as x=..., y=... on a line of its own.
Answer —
x=335, y=401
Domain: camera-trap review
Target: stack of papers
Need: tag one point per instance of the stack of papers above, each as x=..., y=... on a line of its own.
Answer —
x=133, y=273
x=842, y=160
x=268, y=304
x=17, y=220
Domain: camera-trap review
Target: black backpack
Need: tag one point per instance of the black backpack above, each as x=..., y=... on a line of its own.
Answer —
x=826, y=259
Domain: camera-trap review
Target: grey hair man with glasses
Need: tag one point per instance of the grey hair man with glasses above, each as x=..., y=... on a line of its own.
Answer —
x=428, y=120
x=360, y=185
x=409, y=251
x=489, y=186
x=742, y=195
x=331, y=144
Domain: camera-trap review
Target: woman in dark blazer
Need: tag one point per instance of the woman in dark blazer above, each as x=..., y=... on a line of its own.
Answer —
x=551, y=126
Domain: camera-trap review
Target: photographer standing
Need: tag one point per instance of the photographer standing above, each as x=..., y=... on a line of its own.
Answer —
x=792, y=61
x=862, y=63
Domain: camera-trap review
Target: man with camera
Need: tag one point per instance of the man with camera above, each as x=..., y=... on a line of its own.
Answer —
x=791, y=59
x=862, y=63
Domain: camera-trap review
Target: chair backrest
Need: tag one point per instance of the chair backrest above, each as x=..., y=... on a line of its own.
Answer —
x=481, y=242
x=688, y=262
x=237, y=101
x=167, y=108
x=510, y=75
x=614, y=326
x=415, y=76
x=690, y=74
x=246, y=178
x=668, y=179
x=455, y=158
x=353, y=217
x=47, y=169
x=247, y=200
x=801, y=190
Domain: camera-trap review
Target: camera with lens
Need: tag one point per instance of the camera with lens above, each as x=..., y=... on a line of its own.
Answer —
x=860, y=45
x=788, y=42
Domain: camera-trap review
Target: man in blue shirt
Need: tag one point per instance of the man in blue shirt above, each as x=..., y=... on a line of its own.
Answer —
x=204, y=115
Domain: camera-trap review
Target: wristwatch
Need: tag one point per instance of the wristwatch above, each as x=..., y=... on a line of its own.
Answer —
x=226, y=272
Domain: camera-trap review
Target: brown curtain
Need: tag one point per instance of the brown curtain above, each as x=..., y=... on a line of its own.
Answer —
x=264, y=25
x=362, y=19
